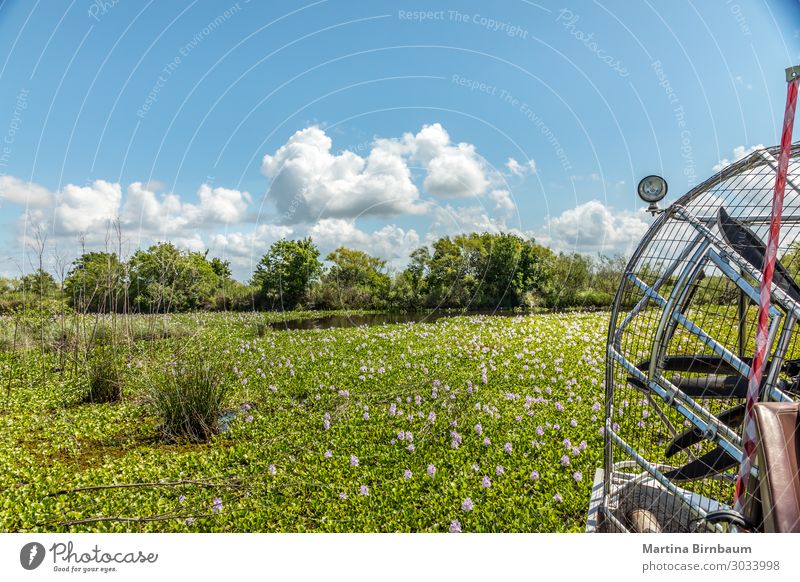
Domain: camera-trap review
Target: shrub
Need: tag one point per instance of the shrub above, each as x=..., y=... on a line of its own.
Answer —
x=105, y=377
x=189, y=400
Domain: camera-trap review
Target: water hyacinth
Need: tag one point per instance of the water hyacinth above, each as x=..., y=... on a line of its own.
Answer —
x=216, y=506
x=467, y=504
x=353, y=461
x=455, y=526
x=534, y=475
x=486, y=483
x=363, y=490
x=407, y=474
x=431, y=470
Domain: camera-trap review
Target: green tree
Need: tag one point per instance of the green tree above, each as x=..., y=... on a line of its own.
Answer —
x=285, y=273
x=94, y=283
x=359, y=280
x=39, y=283
x=165, y=279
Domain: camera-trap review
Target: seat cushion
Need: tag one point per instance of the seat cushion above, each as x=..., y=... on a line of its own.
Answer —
x=779, y=479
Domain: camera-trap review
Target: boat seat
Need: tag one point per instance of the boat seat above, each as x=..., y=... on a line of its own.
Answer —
x=778, y=450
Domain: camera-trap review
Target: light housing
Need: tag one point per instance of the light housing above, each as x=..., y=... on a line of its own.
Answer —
x=652, y=189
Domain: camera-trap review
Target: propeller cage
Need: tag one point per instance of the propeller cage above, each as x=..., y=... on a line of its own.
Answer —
x=680, y=344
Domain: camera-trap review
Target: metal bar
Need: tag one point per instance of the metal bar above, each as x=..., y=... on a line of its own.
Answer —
x=780, y=351
x=658, y=476
x=643, y=301
x=722, y=264
x=773, y=163
x=666, y=317
x=696, y=414
x=780, y=295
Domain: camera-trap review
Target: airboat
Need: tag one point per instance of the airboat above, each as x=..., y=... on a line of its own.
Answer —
x=702, y=385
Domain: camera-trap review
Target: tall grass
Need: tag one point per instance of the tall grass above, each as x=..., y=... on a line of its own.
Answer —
x=188, y=399
x=105, y=377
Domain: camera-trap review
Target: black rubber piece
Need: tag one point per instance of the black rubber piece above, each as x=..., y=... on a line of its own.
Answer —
x=712, y=386
x=712, y=463
x=752, y=249
x=732, y=417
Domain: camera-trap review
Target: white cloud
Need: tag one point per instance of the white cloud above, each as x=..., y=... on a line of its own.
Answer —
x=309, y=182
x=167, y=214
x=241, y=246
x=521, y=169
x=451, y=221
x=739, y=152
x=502, y=201
x=391, y=243
x=593, y=227
x=86, y=208
x=19, y=192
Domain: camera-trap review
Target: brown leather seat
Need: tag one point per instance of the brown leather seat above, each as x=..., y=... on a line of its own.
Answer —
x=778, y=426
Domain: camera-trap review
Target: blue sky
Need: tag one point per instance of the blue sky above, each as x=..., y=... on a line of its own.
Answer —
x=378, y=125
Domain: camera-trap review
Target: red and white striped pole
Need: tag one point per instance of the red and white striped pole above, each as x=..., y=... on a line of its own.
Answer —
x=756, y=368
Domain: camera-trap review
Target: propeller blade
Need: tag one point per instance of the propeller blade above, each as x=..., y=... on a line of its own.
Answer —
x=712, y=463
x=732, y=417
x=752, y=249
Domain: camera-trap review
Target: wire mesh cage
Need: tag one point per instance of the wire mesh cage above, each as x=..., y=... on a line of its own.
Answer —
x=680, y=344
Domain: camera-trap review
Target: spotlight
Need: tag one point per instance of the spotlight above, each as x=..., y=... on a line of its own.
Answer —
x=652, y=189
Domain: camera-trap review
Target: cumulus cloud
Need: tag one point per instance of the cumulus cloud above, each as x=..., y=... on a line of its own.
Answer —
x=739, y=152
x=521, y=169
x=503, y=203
x=451, y=221
x=310, y=182
x=242, y=246
x=391, y=243
x=167, y=214
x=86, y=208
x=14, y=190
x=593, y=227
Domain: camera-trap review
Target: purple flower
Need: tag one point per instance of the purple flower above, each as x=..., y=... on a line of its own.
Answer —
x=407, y=474
x=500, y=470
x=326, y=421
x=353, y=461
x=557, y=498
x=573, y=423
x=507, y=448
x=535, y=476
x=342, y=495
x=466, y=505
x=567, y=443
x=486, y=482
x=596, y=407
x=478, y=429
x=272, y=470
x=216, y=507
x=245, y=407
x=455, y=526
x=431, y=470
x=411, y=448
x=432, y=417
x=189, y=520
x=392, y=409
x=249, y=418
x=328, y=454
x=486, y=442
x=182, y=498
x=366, y=416
x=401, y=435
x=577, y=476
x=559, y=406
x=540, y=430
x=363, y=490
x=564, y=461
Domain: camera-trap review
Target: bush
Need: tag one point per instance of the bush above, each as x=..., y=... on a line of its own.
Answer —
x=105, y=378
x=189, y=400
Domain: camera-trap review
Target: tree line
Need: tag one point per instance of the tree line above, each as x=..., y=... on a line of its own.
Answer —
x=469, y=271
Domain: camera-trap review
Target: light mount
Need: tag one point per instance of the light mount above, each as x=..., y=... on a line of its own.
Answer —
x=652, y=189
